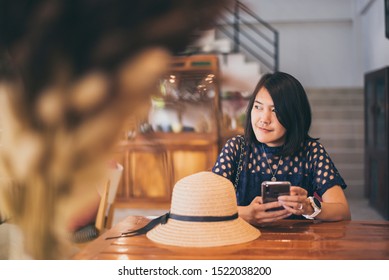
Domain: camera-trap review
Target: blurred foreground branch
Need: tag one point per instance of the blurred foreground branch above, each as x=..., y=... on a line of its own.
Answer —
x=71, y=73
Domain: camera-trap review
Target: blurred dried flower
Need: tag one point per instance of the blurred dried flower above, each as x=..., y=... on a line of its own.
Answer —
x=71, y=72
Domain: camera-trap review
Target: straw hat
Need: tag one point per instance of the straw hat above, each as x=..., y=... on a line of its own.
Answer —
x=210, y=198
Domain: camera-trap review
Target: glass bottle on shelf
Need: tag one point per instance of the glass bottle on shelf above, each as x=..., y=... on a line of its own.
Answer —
x=233, y=104
x=185, y=103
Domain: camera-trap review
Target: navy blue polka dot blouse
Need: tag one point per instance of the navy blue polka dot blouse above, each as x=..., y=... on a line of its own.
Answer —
x=310, y=168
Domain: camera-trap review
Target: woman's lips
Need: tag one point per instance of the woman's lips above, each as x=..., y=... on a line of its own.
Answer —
x=264, y=130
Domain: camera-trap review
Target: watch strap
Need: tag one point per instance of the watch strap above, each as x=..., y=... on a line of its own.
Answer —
x=316, y=209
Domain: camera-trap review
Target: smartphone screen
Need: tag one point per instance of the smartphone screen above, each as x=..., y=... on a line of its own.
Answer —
x=270, y=191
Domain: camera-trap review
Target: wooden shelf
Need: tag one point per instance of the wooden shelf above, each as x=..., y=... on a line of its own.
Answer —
x=154, y=161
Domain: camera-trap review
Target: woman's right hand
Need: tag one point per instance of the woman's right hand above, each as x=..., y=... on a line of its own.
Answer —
x=256, y=212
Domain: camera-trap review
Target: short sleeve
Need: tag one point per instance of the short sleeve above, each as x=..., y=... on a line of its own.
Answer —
x=226, y=163
x=325, y=174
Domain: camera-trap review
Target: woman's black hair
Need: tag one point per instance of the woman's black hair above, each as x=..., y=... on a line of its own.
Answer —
x=292, y=109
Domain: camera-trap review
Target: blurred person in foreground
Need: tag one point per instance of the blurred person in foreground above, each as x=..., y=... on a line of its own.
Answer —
x=71, y=72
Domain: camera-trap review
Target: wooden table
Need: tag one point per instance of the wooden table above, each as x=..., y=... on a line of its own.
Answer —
x=287, y=239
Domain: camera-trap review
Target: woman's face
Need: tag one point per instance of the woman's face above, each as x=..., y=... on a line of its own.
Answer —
x=267, y=128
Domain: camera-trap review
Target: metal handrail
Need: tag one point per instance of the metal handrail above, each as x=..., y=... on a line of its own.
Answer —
x=248, y=49
x=258, y=40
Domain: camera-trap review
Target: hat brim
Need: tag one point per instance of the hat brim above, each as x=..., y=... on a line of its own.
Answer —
x=203, y=234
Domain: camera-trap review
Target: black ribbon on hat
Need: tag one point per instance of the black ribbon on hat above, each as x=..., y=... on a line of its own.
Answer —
x=164, y=218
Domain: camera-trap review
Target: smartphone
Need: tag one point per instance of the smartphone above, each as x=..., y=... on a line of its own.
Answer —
x=271, y=190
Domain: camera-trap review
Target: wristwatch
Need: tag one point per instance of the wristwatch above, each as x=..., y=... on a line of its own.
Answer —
x=316, y=207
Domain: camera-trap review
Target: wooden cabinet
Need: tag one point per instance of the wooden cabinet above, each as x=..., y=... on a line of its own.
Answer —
x=178, y=137
x=376, y=139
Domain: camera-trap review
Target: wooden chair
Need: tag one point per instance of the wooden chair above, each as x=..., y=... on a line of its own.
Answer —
x=101, y=218
x=105, y=210
x=91, y=231
x=114, y=178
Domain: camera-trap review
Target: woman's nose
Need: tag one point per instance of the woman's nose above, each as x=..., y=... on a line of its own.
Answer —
x=265, y=117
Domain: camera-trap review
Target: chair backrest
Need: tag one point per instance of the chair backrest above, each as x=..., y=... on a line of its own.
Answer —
x=105, y=210
x=102, y=210
x=114, y=176
x=108, y=194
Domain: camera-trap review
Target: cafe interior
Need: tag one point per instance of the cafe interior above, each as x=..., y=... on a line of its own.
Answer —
x=192, y=87
x=340, y=53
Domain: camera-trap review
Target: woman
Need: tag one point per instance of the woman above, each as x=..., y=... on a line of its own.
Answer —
x=277, y=146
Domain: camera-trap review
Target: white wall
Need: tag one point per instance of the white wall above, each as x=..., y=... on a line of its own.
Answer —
x=327, y=44
x=318, y=53
x=375, y=46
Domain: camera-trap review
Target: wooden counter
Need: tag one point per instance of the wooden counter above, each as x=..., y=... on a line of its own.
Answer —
x=154, y=162
x=287, y=239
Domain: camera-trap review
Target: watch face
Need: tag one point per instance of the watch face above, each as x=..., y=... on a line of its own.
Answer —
x=317, y=202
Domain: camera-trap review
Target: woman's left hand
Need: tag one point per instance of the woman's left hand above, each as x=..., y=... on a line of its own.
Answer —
x=297, y=202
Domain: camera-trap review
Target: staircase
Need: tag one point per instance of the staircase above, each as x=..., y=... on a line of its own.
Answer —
x=338, y=120
x=238, y=73
x=244, y=41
